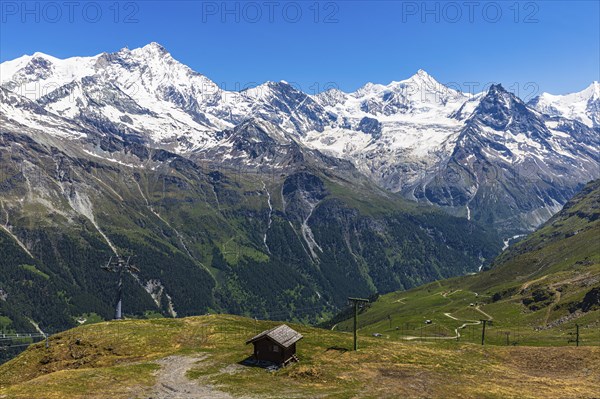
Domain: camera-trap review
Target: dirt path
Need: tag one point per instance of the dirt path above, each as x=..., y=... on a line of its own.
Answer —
x=528, y=283
x=456, y=330
x=554, y=303
x=172, y=382
x=490, y=318
x=464, y=325
x=447, y=294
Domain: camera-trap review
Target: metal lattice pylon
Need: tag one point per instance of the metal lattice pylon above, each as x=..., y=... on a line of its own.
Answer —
x=119, y=265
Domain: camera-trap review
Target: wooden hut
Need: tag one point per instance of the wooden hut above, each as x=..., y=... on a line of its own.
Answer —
x=277, y=345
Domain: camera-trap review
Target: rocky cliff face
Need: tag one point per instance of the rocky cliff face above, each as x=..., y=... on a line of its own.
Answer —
x=405, y=136
x=508, y=157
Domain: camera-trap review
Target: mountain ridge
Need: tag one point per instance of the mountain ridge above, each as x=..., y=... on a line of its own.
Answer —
x=400, y=135
x=204, y=230
x=134, y=154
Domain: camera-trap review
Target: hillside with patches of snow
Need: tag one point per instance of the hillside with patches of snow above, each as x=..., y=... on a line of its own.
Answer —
x=487, y=157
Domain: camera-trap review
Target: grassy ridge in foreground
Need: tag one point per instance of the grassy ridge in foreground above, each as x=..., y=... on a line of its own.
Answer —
x=117, y=360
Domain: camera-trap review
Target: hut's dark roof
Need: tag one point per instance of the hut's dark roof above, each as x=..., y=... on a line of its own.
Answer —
x=283, y=335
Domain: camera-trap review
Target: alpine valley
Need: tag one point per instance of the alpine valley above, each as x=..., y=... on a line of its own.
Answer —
x=267, y=202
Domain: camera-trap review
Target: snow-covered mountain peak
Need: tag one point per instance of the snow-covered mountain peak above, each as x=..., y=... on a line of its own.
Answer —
x=408, y=135
x=41, y=55
x=285, y=105
x=331, y=97
x=590, y=92
x=132, y=68
x=499, y=107
x=270, y=85
x=152, y=56
x=419, y=94
x=152, y=52
x=583, y=106
x=421, y=77
x=594, y=89
x=9, y=68
x=501, y=117
x=154, y=46
x=36, y=75
x=497, y=93
x=369, y=88
x=417, y=82
x=39, y=65
x=498, y=98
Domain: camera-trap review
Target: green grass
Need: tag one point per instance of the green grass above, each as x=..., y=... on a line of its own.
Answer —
x=34, y=270
x=117, y=360
x=409, y=310
x=115, y=381
x=561, y=259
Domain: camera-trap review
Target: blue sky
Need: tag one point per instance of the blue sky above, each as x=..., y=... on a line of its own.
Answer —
x=530, y=46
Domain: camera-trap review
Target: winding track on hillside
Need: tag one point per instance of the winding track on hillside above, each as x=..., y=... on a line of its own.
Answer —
x=462, y=326
x=456, y=330
x=490, y=318
x=530, y=282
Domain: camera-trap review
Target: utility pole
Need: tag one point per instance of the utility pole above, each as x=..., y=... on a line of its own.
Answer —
x=355, y=302
x=483, y=332
x=119, y=266
x=576, y=340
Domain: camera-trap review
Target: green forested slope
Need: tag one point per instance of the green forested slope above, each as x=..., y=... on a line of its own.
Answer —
x=291, y=243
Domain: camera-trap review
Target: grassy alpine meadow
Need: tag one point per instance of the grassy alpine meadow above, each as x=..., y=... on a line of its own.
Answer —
x=451, y=311
x=540, y=291
x=125, y=359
